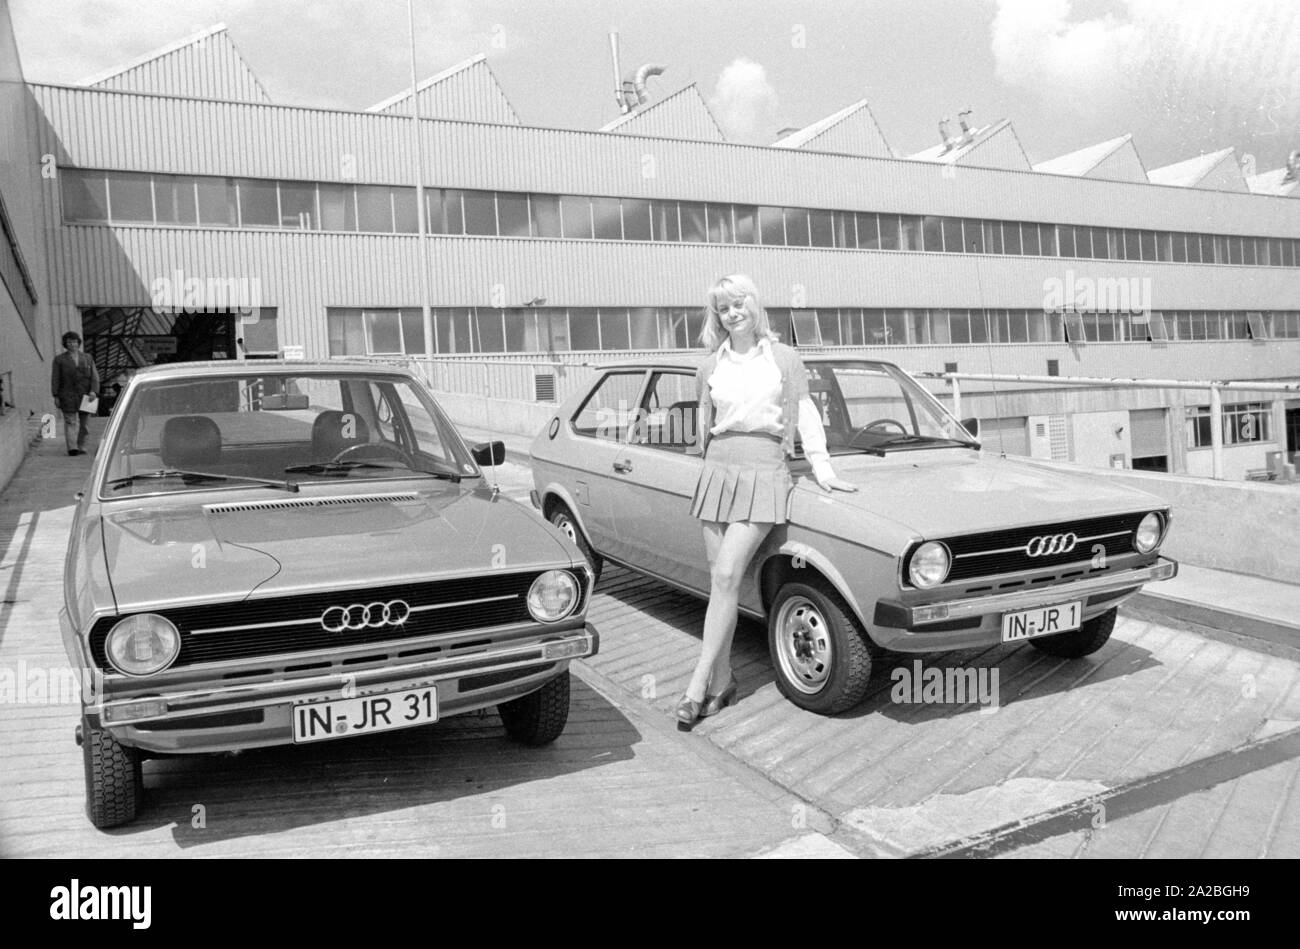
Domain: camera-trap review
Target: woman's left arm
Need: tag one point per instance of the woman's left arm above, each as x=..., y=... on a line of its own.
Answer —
x=811, y=433
x=813, y=436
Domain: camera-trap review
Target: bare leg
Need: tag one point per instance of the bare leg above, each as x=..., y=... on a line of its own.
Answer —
x=730, y=548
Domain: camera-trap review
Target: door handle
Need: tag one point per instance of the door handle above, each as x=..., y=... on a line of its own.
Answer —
x=622, y=467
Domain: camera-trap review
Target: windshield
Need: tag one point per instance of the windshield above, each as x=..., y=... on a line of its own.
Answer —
x=876, y=407
x=281, y=429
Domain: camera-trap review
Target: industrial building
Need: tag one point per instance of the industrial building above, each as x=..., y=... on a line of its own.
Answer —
x=168, y=209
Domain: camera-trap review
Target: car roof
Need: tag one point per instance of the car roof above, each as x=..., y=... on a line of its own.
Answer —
x=693, y=361
x=242, y=367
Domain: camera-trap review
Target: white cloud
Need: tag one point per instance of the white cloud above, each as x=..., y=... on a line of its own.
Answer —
x=1036, y=44
x=744, y=102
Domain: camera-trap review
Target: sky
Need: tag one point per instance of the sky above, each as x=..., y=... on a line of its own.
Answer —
x=1184, y=77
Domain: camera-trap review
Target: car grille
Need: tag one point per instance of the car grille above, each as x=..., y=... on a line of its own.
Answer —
x=1003, y=552
x=292, y=624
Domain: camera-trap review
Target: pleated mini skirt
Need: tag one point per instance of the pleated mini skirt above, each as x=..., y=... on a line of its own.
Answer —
x=744, y=478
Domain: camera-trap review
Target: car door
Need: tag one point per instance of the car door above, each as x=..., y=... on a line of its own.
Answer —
x=656, y=470
x=600, y=429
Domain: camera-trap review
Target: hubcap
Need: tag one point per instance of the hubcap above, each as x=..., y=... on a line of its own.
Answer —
x=563, y=523
x=803, y=645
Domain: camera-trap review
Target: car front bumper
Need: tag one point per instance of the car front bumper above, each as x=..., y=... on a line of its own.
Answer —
x=976, y=621
x=258, y=714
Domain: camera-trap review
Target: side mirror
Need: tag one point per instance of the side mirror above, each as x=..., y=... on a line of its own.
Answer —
x=489, y=453
x=971, y=425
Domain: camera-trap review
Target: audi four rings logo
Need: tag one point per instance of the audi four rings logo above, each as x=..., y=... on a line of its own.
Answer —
x=365, y=616
x=1050, y=544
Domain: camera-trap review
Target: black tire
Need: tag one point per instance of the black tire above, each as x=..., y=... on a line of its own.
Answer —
x=1087, y=639
x=114, y=783
x=837, y=684
x=539, y=717
x=563, y=518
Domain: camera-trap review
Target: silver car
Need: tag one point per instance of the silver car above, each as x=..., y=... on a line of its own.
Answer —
x=942, y=547
x=272, y=553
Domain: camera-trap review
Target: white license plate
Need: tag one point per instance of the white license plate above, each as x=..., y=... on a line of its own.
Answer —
x=1043, y=621
x=365, y=714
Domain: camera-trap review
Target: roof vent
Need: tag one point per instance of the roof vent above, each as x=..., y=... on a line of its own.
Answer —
x=1292, y=166
x=630, y=91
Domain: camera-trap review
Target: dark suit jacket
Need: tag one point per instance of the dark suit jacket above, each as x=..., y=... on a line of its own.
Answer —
x=73, y=377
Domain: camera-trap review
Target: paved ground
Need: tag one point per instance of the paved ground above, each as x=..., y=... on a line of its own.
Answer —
x=1165, y=743
x=619, y=781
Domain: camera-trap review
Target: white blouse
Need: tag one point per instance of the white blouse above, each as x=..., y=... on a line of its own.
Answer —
x=746, y=392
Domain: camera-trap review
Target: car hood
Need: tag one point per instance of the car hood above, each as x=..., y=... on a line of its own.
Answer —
x=169, y=552
x=954, y=491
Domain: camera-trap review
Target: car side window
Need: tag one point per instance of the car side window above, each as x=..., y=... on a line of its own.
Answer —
x=609, y=410
x=667, y=417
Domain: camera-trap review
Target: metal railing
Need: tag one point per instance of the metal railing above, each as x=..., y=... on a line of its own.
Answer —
x=1215, y=389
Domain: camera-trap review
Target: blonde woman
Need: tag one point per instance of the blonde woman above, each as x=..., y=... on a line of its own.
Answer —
x=753, y=394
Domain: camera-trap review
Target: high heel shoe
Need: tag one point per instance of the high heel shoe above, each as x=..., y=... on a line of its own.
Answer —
x=713, y=704
x=688, y=713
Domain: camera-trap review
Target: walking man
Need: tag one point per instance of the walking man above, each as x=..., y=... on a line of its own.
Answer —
x=74, y=376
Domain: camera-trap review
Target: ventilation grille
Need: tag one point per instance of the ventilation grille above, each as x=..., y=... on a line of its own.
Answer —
x=544, y=386
x=309, y=502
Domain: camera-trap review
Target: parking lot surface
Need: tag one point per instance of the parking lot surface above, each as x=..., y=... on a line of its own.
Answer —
x=1164, y=744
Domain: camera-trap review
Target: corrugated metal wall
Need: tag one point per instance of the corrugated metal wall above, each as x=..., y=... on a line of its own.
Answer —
x=472, y=94
x=681, y=115
x=277, y=141
x=302, y=273
x=1000, y=150
x=209, y=68
x=858, y=134
x=1123, y=164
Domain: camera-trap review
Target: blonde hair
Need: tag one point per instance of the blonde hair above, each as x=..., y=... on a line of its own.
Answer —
x=730, y=288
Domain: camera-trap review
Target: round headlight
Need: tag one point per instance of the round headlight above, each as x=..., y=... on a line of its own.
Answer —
x=1148, y=533
x=553, y=596
x=142, y=645
x=929, y=564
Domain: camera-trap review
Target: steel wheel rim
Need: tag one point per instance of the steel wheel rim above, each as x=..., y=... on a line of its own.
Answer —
x=563, y=522
x=803, y=645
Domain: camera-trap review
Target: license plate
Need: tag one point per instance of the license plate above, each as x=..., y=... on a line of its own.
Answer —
x=363, y=715
x=1043, y=621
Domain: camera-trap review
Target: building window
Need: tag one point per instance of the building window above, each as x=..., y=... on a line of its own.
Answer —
x=576, y=214
x=512, y=215
x=85, y=195
x=1244, y=423
x=608, y=219
x=130, y=197
x=821, y=226
x=889, y=232
x=796, y=227
x=636, y=219
x=546, y=215
x=259, y=203
x=298, y=205
x=694, y=226
x=375, y=332
x=374, y=209
x=721, y=227
x=175, y=201
x=952, y=243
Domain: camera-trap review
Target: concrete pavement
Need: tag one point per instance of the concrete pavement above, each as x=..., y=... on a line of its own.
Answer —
x=618, y=782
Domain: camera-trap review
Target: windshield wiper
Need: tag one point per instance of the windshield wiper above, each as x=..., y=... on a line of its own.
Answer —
x=918, y=439
x=338, y=467
x=183, y=473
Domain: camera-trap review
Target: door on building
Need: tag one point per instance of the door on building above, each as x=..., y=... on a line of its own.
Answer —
x=1149, y=433
x=1292, y=431
x=121, y=339
x=1007, y=435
